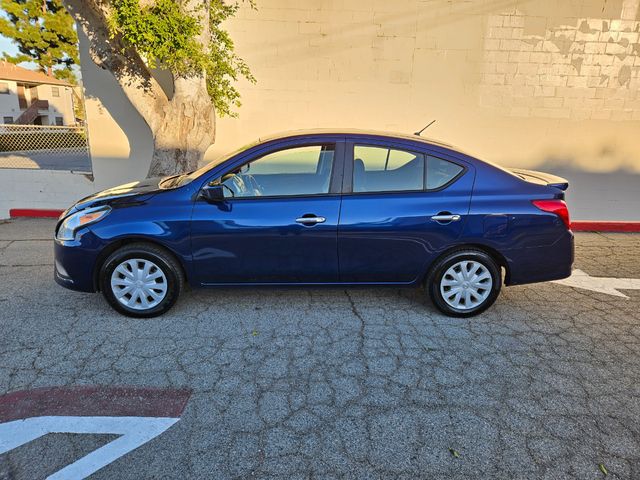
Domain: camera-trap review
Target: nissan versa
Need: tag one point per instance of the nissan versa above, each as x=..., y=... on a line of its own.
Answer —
x=321, y=208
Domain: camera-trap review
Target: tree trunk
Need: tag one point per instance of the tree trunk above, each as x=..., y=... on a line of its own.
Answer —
x=185, y=131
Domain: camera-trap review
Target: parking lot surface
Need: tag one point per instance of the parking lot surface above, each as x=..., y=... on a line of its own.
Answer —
x=335, y=383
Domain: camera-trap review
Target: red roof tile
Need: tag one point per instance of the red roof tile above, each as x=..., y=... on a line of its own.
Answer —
x=9, y=71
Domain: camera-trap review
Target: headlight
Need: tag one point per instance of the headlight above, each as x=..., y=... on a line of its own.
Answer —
x=68, y=227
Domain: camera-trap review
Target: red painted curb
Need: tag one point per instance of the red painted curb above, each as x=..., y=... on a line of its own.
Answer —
x=93, y=401
x=584, y=226
x=34, y=213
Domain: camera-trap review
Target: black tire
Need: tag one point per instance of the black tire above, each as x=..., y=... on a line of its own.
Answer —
x=165, y=262
x=441, y=266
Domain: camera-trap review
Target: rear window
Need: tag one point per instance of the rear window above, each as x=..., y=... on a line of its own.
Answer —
x=440, y=172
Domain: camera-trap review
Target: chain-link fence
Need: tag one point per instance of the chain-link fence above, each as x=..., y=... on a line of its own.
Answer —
x=44, y=147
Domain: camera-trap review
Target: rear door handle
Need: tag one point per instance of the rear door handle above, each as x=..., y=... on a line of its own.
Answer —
x=445, y=218
x=310, y=220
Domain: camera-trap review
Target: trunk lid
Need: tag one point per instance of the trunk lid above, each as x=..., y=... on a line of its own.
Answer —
x=540, y=178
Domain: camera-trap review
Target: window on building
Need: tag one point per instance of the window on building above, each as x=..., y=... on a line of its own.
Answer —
x=7, y=120
x=55, y=91
x=59, y=121
x=4, y=88
x=380, y=169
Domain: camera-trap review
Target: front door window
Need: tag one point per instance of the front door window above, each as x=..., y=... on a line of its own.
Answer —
x=299, y=171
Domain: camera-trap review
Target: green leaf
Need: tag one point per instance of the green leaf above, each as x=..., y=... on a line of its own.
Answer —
x=603, y=469
x=167, y=35
x=454, y=453
x=254, y=333
x=44, y=33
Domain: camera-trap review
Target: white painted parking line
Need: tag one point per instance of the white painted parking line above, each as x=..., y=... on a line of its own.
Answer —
x=134, y=431
x=136, y=414
x=606, y=285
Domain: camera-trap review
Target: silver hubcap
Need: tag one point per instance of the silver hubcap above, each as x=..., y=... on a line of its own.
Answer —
x=466, y=284
x=139, y=284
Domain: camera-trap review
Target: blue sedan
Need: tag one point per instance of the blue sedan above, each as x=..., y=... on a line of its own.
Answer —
x=321, y=208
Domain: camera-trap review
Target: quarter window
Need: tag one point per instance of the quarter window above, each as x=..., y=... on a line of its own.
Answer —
x=55, y=91
x=294, y=171
x=440, y=172
x=379, y=169
x=8, y=120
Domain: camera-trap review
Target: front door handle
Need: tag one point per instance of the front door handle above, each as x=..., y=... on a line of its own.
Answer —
x=445, y=218
x=310, y=220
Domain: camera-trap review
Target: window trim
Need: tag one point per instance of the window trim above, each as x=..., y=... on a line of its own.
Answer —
x=55, y=91
x=335, y=178
x=350, y=144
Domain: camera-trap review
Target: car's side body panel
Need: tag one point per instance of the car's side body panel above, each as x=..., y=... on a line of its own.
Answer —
x=390, y=236
x=536, y=246
x=162, y=218
x=259, y=241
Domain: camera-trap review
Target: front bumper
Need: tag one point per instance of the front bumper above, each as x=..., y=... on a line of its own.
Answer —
x=74, y=262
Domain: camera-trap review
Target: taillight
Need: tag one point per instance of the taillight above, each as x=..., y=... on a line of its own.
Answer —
x=555, y=206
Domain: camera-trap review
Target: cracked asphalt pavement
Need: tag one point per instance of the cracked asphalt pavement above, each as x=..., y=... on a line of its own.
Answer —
x=335, y=383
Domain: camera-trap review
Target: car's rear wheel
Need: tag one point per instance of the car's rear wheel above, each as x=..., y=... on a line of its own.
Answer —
x=464, y=283
x=141, y=280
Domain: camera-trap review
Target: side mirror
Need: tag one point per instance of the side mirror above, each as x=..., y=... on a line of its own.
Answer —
x=213, y=193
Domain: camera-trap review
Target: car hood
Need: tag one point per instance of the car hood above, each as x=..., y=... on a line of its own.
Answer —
x=120, y=194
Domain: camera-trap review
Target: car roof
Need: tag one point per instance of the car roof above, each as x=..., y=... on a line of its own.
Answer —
x=356, y=132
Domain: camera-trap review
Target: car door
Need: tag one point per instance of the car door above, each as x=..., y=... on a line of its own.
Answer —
x=401, y=205
x=278, y=221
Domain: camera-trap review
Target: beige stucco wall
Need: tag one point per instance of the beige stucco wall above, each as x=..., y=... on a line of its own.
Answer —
x=516, y=81
x=543, y=84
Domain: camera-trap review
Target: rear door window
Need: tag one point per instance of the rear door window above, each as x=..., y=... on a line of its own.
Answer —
x=380, y=169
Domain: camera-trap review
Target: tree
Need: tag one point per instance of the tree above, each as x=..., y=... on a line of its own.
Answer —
x=134, y=38
x=44, y=34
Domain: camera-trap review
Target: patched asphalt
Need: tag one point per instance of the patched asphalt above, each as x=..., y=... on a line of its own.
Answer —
x=335, y=383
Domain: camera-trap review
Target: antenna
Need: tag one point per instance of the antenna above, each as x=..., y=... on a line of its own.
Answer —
x=427, y=126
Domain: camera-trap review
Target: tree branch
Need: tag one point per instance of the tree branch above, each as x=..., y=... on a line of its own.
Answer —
x=135, y=79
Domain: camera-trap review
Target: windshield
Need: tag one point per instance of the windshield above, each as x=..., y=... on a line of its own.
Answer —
x=189, y=177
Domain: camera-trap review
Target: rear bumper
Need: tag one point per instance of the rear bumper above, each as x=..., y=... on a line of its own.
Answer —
x=541, y=264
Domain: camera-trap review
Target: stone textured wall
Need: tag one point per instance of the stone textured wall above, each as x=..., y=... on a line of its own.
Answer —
x=579, y=68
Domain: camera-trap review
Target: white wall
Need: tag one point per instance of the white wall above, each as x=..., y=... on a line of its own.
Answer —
x=40, y=189
x=9, y=102
x=61, y=106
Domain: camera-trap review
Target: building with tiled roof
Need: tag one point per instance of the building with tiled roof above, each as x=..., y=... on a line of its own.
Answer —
x=33, y=97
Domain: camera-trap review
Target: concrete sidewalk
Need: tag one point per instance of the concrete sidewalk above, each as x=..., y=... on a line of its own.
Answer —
x=329, y=383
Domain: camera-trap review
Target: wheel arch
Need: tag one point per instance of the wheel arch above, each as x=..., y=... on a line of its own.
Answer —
x=121, y=242
x=497, y=257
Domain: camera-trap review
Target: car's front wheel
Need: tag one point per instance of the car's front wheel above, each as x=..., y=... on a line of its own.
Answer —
x=141, y=280
x=464, y=283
